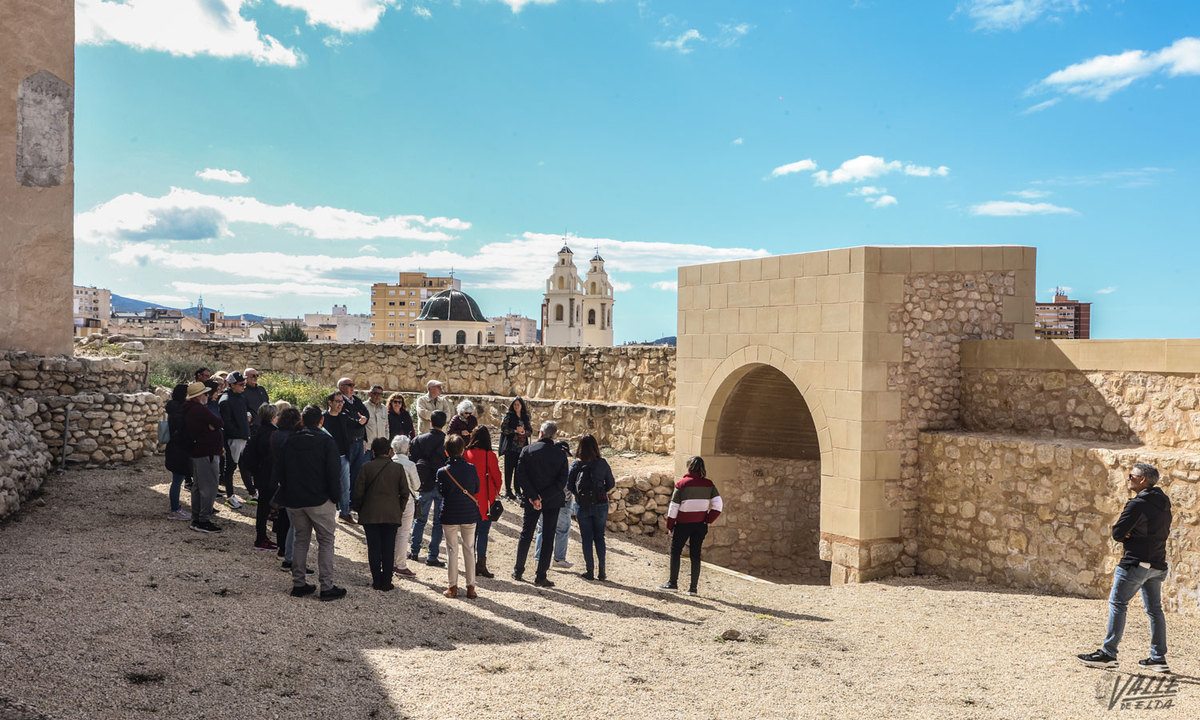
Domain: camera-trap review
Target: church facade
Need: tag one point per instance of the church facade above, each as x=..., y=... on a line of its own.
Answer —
x=577, y=312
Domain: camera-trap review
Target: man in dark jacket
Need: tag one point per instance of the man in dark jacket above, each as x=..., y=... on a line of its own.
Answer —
x=255, y=396
x=428, y=451
x=204, y=448
x=334, y=425
x=355, y=417
x=308, y=479
x=542, y=480
x=1142, y=528
x=236, y=418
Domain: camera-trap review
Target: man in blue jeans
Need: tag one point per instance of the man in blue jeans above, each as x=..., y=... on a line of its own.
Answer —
x=1142, y=528
x=428, y=451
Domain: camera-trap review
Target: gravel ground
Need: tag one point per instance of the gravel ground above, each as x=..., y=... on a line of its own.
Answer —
x=109, y=610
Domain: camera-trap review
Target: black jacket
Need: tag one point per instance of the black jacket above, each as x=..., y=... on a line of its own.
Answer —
x=428, y=451
x=308, y=470
x=509, y=440
x=260, y=455
x=352, y=410
x=1143, y=528
x=335, y=425
x=458, y=508
x=542, y=473
x=178, y=454
x=600, y=472
x=233, y=414
x=254, y=397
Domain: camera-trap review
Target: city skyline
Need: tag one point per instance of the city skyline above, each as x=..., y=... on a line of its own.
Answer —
x=283, y=155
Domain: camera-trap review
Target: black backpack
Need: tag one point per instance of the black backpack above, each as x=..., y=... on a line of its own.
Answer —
x=589, y=487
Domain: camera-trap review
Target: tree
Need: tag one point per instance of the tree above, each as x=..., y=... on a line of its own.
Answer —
x=288, y=332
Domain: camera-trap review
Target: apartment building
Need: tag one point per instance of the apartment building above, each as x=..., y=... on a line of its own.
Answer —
x=395, y=308
x=93, y=308
x=1063, y=319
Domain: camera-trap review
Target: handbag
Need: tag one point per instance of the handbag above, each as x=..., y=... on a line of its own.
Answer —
x=164, y=431
x=495, y=511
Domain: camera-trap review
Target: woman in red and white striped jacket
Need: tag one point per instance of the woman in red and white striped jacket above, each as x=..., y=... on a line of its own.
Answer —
x=695, y=505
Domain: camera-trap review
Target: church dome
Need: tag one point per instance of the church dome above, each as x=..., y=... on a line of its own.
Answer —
x=452, y=305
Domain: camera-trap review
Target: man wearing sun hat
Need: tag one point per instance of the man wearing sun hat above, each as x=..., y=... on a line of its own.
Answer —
x=206, y=441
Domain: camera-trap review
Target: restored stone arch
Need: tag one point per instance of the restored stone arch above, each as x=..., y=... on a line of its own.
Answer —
x=868, y=339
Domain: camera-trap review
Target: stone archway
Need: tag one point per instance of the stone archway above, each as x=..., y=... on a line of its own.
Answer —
x=765, y=433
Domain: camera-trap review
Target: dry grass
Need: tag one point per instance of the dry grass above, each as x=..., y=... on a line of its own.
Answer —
x=108, y=610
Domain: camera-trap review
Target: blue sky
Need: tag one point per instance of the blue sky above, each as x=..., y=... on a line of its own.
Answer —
x=279, y=156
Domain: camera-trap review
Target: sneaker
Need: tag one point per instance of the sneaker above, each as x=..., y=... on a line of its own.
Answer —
x=543, y=582
x=1099, y=659
x=347, y=518
x=252, y=500
x=206, y=527
x=434, y=562
x=672, y=587
x=265, y=545
x=302, y=590
x=519, y=577
x=1155, y=665
x=179, y=515
x=333, y=593
x=564, y=563
x=414, y=556
x=286, y=565
x=587, y=576
x=690, y=593
x=234, y=502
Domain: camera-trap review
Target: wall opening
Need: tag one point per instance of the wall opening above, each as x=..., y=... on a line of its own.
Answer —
x=766, y=438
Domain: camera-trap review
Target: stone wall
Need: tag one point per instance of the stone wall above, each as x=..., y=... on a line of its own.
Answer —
x=636, y=428
x=1036, y=513
x=638, y=504
x=37, y=376
x=24, y=459
x=771, y=526
x=643, y=375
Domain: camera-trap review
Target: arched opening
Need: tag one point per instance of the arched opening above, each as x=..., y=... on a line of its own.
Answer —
x=558, y=313
x=437, y=337
x=561, y=283
x=460, y=338
x=479, y=337
x=593, y=287
x=591, y=317
x=767, y=440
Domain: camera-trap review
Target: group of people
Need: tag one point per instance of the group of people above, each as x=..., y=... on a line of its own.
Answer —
x=364, y=462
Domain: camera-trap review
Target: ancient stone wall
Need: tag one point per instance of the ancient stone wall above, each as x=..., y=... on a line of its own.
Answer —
x=1036, y=513
x=638, y=504
x=37, y=376
x=24, y=458
x=642, y=375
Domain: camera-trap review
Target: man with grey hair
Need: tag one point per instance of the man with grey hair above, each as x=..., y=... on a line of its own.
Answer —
x=432, y=401
x=1142, y=528
x=542, y=481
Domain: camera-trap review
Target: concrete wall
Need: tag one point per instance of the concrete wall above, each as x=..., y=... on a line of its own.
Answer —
x=37, y=72
x=640, y=375
x=1036, y=513
x=1126, y=391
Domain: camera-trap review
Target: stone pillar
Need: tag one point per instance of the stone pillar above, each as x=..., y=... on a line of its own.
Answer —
x=37, y=182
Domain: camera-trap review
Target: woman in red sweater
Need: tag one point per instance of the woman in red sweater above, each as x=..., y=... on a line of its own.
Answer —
x=487, y=466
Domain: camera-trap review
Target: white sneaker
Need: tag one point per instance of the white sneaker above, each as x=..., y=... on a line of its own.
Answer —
x=563, y=563
x=234, y=502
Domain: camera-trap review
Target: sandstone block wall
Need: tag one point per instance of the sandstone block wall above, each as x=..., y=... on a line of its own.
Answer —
x=22, y=373
x=24, y=458
x=638, y=504
x=641, y=375
x=1036, y=513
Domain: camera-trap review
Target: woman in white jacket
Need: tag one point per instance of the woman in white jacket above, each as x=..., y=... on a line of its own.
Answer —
x=404, y=534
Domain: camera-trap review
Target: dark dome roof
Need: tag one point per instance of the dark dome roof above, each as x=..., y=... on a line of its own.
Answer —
x=452, y=305
x=597, y=257
x=566, y=249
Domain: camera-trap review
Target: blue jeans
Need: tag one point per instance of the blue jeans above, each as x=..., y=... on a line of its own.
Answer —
x=356, y=458
x=428, y=499
x=176, y=485
x=1126, y=582
x=591, y=529
x=561, y=533
x=344, y=502
x=482, y=528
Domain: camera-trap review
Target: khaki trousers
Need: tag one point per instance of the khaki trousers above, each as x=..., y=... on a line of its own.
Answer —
x=460, y=536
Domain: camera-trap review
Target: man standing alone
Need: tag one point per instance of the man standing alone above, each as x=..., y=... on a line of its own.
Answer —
x=1142, y=528
x=307, y=474
x=542, y=480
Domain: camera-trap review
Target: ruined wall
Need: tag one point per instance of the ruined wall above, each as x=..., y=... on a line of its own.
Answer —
x=1036, y=513
x=22, y=373
x=24, y=458
x=642, y=375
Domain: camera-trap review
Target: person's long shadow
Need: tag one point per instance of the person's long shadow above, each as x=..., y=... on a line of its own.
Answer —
x=612, y=607
x=512, y=530
x=526, y=618
x=704, y=603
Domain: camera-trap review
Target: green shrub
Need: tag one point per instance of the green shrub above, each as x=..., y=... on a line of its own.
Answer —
x=288, y=332
x=296, y=389
x=169, y=369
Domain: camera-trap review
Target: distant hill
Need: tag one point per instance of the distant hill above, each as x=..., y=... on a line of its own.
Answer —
x=661, y=341
x=120, y=303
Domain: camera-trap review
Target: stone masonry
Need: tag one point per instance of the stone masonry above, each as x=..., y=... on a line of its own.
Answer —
x=24, y=458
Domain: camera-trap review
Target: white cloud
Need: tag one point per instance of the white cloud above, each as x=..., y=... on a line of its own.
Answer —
x=225, y=176
x=1012, y=14
x=1029, y=194
x=342, y=15
x=680, y=43
x=516, y=5
x=619, y=286
x=667, y=285
x=182, y=27
x=926, y=171
x=1101, y=76
x=857, y=169
x=189, y=215
x=1107, y=291
x=867, y=191
x=260, y=291
x=1131, y=178
x=1008, y=208
x=798, y=166
x=730, y=34
x=422, y=12
x=369, y=249
x=738, y=141
x=169, y=300
x=1041, y=106
x=884, y=201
